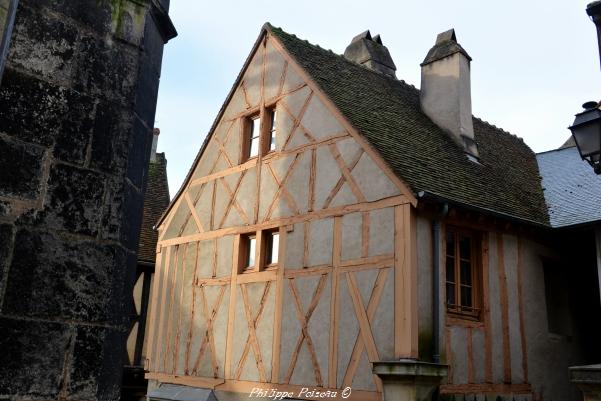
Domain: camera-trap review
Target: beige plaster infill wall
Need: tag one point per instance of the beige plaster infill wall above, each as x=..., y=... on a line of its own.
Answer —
x=332, y=305
x=510, y=352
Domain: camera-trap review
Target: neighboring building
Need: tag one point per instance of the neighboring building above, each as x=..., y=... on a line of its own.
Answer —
x=156, y=201
x=339, y=224
x=78, y=89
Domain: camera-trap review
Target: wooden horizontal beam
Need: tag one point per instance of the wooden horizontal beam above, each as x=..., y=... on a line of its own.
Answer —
x=268, y=158
x=319, y=214
x=193, y=381
x=257, y=277
x=239, y=386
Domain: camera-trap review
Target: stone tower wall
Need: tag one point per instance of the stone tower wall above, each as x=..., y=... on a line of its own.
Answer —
x=77, y=105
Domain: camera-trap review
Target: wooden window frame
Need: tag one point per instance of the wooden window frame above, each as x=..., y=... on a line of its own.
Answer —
x=270, y=129
x=265, y=114
x=244, y=254
x=458, y=310
x=262, y=245
x=267, y=243
x=247, y=137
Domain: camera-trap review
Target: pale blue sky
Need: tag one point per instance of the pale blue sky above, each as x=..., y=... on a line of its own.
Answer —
x=534, y=62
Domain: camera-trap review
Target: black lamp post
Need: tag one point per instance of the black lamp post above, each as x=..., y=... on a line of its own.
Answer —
x=586, y=131
x=586, y=128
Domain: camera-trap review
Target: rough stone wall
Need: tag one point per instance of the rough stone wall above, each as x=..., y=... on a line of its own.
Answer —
x=77, y=104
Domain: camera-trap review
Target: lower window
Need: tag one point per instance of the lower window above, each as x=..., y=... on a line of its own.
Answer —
x=259, y=251
x=463, y=267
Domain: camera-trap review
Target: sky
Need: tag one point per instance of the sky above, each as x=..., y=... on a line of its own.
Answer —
x=534, y=62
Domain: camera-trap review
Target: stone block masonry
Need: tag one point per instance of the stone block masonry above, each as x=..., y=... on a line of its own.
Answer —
x=77, y=103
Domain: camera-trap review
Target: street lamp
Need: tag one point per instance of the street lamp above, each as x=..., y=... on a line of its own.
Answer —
x=594, y=11
x=586, y=128
x=586, y=131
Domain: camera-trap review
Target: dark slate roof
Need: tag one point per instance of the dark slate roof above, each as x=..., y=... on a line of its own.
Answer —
x=156, y=200
x=387, y=112
x=572, y=189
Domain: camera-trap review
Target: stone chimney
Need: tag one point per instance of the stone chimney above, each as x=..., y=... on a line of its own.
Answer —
x=445, y=91
x=155, y=140
x=371, y=53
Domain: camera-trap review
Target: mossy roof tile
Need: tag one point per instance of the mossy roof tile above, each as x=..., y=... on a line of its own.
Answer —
x=387, y=113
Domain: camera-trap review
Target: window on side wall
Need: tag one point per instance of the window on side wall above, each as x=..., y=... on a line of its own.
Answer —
x=463, y=270
x=557, y=298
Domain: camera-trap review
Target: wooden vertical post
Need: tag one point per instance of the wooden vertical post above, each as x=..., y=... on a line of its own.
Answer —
x=521, y=308
x=152, y=333
x=334, y=304
x=161, y=314
x=232, y=309
x=405, y=283
x=279, y=304
x=486, y=310
x=504, y=308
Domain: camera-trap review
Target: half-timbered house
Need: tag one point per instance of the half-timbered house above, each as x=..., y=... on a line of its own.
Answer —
x=341, y=228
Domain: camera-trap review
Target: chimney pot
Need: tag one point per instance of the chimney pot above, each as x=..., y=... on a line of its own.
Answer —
x=445, y=36
x=155, y=141
x=371, y=53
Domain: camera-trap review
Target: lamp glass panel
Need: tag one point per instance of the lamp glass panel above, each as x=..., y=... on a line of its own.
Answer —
x=588, y=138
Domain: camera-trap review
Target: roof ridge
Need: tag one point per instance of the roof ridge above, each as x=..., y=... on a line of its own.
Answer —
x=503, y=131
x=391, y=79
x=555, y=150
x=341, y=56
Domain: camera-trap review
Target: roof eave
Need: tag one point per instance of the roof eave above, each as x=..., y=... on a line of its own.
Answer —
x=433, y=197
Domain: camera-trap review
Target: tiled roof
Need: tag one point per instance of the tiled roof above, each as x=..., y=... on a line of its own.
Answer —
x=387, y=112
x=572, y=189
x=156, y=200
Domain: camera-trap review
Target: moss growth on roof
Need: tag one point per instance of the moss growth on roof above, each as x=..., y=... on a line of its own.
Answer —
x=387, y=112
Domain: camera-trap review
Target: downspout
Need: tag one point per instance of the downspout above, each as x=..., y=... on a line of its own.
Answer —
x=436, y=245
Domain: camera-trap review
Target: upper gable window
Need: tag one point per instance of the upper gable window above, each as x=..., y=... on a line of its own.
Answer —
x=272, y=116
x=252, y=137
x=259, y=134
x=463, y=294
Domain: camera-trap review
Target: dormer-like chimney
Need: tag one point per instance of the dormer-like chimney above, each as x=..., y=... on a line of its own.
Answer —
x=445, y=91
x=155, y=141
x=371, y=53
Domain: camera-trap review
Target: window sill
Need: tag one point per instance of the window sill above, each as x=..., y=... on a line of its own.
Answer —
x=461, y=316
x=256, y=276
